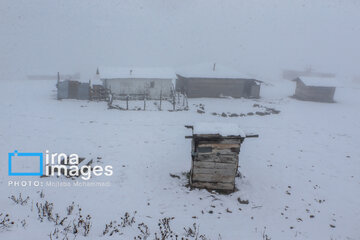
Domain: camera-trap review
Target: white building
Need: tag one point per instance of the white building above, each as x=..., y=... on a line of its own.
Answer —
x=136, y=82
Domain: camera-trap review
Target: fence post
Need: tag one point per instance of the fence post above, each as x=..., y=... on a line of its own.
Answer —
x=57, y=85
x=144, y=101
x=160, y=98
x=174, y=101
x=127, y=102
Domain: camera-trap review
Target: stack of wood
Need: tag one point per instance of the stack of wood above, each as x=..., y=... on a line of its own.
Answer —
x=215, y=157
x=99, y=93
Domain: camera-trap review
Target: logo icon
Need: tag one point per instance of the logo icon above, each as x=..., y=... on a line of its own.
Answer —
x=25, y=164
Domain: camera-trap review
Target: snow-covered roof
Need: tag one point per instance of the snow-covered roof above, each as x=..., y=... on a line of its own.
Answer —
x=207, y=71
x=320, y=82
x=224, y=129
x=134, y=72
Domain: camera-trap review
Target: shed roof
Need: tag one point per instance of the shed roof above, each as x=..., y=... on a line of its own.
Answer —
x=135, y=72
x=224, y=129
x=320, y=82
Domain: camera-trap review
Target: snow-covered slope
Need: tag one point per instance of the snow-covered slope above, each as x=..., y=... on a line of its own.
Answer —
x=301, y=176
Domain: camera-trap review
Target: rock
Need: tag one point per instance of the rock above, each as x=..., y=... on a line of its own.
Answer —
x=174, y=176
x=243, y=201
x=260, y=113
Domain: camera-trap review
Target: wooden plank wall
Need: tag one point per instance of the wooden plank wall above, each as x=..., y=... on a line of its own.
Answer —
x=215, y=163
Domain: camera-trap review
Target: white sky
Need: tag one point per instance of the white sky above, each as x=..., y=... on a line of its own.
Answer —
x=257, y=36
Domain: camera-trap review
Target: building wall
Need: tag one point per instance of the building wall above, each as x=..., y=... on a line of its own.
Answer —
x=62, y=90
x=153, y=87
x=317, y=94
x=73, y=90
x=217, y=87
x=83, y=92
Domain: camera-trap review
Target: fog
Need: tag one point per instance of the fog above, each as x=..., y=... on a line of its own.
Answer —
x=261, y=37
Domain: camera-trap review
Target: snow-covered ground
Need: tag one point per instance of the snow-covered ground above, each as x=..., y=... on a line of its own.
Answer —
x=301, y=176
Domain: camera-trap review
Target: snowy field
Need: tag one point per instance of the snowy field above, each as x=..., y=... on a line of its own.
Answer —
x=300, y=177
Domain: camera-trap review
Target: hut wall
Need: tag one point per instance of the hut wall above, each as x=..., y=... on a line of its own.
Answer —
x=312, y=93
x=152, y=87
x=63, y=90
x=83, y=91
x=73, y=90
x=255, y=91
x=217, y=87
x=215, y=163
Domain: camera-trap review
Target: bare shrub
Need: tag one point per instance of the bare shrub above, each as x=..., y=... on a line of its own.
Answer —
x=45, y=210
x=19, y=200
x=144, y=232
x=194, y=232
x=114, y=227
x=70, y=208
x=165, y=231
x=5, y=222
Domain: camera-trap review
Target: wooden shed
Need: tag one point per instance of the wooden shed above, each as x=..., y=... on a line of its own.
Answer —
x=215, y=155
x=214, y=81
x=315, y=89
x=197, y=87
